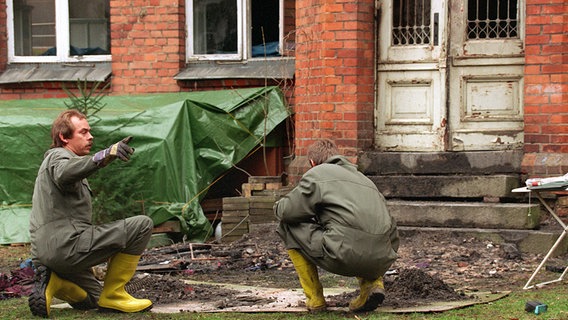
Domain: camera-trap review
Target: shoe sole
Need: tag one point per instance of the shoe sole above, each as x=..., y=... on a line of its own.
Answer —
x=111, y=310
x=37, y=300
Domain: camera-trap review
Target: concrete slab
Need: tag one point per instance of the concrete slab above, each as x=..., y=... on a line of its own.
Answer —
x=451, y=186
x=435, y=163
x=465, y=214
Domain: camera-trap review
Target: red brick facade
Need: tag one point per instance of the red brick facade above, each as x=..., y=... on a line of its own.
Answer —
x=333, y=93
x=546, y=88
x=148, y=47
x=3, y=36
x=334, y=73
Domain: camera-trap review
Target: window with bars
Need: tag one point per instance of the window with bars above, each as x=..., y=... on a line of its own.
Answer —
x=411, y=22
x=492, y=19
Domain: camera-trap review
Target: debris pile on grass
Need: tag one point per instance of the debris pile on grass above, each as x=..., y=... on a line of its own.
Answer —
x=18, y=284
x=418, y=286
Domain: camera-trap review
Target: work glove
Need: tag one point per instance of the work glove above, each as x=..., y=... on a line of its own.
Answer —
x=119, y=150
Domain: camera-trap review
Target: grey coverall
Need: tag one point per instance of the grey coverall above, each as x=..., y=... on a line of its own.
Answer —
x=63, y=237
x=339, y=220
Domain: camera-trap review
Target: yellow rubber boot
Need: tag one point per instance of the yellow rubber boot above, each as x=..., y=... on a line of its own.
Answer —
x=49, y=285
x=309, y=279
x=371, y=294
x=114, y=297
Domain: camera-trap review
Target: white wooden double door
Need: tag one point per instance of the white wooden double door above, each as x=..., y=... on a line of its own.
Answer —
x=449, y=75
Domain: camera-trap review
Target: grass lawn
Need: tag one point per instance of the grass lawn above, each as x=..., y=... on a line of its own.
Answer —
x=511, y=307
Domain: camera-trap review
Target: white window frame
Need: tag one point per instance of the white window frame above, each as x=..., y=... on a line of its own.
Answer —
x=62, y=39
x=244, y=49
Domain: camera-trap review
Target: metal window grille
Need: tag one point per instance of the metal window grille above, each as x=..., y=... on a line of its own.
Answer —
x=411, y=22
x=492, y=19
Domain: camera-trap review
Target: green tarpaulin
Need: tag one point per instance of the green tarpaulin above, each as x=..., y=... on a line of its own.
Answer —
x=183, y=142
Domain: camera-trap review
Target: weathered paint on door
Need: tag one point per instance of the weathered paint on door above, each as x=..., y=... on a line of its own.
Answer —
x=486, y=64
x=439, y=86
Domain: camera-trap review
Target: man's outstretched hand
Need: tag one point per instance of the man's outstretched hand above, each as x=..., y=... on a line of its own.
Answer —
x=119, y=150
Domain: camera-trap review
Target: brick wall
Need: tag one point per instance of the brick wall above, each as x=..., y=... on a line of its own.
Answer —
x=34, y=90
x=546, y=88
x=148, y=47
x=3, y=36
x=334, y=92
x=148, y=50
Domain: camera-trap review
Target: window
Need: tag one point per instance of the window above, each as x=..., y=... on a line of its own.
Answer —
x=58, y=30
x=492, y=19
x=411, y=22
x=234, y=29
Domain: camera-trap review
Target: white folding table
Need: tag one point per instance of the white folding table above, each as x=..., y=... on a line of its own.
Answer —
x=558, y=241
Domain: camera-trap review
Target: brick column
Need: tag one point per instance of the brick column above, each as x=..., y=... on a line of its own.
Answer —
x=334, y=92
x=148, y=45
x=546, y=88
x=3, y=36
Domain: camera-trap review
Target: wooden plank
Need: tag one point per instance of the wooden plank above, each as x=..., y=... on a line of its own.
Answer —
x=228, y=200
x=236, y=213
x=273, y=186
x=265, y=179
x=235, y=219
x=235, y=203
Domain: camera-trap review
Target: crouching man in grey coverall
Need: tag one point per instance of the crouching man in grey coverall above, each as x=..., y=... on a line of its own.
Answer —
x=65, y=245
x=335, y=218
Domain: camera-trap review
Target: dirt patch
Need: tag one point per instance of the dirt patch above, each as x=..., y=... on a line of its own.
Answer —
x=430, y=268
x=170, y=289
x=419, y=285
x=412, y=287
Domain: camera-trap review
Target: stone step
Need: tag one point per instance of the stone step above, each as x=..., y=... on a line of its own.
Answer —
x=465, y=214
x=449, y=186
x=440, y=163
x=527, y=241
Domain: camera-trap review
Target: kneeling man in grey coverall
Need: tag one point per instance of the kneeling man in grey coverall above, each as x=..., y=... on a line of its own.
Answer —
x=65, y=245
x=336, y=218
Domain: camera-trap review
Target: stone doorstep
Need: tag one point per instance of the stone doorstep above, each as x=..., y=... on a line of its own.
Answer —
x=527, y=241
x=465, y=214
x=448, y=186
x=436, y=163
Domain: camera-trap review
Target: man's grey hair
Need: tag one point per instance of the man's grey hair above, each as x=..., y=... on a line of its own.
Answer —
x=322, y=150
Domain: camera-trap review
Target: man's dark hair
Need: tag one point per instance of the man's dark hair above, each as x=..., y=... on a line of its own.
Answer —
x=321, y=150
x=63, y=125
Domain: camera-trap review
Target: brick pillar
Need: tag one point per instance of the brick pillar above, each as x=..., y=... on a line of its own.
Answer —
x=334, y=92
x=546, y=88
x=147, y=43
x=3, y=36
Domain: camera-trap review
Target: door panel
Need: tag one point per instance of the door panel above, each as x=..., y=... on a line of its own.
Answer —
x=410, y=114
x=450, y=75
x=486, y=75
